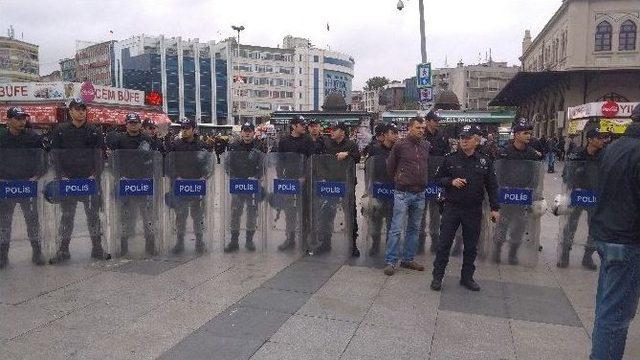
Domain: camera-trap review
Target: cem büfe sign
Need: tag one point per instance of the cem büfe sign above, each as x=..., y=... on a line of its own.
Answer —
x=60, y=91
x=18, y=189
x=32, y=91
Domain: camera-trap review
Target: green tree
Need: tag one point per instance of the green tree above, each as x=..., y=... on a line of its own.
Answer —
x=376, y=82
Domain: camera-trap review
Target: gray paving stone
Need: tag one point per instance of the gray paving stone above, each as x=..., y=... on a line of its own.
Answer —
x=279, y=351
x=277, y=300
x=489, y=301
x=206, y=346
x=242, y=322
x=316, y=334
x=555, y=310
x=147, y=266
x=375, y=342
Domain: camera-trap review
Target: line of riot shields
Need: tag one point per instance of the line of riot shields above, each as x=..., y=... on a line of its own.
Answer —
x=140, y=204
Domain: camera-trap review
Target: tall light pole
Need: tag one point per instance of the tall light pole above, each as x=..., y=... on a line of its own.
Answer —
x=235, y=79
x=423, y=39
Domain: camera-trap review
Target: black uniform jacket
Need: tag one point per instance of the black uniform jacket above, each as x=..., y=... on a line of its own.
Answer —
x=21, y=159
x=188, y=159
x=245, y=160
x=83, y=157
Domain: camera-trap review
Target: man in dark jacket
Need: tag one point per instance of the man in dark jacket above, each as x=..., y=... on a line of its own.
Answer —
x=317, y=139
x=615, y=228
x=407, y=165
x=188, y=159
x=77, y=154
x=466, y=175
x=343, y=149
x=581, y=172
x=244, y=161
x=23, y=159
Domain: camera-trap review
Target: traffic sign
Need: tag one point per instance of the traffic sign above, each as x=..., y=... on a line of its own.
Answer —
x=426, y=94
x=423, y=75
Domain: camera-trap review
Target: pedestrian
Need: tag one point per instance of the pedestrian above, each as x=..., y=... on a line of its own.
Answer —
x=132, y=158
x=244, y=161
x=465, y=176
x=297, y=143
x=343, y=148
x=512, y=218
x=439, y=147
x=615, y=228
x=561, y=147
x=383, y=211
x=188, y=159
x=407, y=165
x=578, y=174
x=23, y=159
x=77, y=147
x=551, y=155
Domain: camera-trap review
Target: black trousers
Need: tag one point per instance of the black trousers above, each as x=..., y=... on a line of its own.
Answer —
x=92, y=212
x=196, y=207
x=29, y=207
x=452, y=218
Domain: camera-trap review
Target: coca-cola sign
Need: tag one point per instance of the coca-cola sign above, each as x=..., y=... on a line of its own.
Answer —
x=87, y=92
x=610, y=109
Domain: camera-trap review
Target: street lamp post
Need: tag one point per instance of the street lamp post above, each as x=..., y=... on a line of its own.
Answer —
x=423, y=39
x=237, y=77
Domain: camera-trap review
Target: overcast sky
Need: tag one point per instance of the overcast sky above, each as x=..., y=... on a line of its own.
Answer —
x=381, y=39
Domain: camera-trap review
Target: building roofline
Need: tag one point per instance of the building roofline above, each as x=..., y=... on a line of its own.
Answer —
x=545, y=29
x=18, y=41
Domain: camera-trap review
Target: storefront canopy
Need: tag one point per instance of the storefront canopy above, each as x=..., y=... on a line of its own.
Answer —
x=351, y=118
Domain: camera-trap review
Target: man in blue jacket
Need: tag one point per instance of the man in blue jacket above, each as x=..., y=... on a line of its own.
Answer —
x=615, y=228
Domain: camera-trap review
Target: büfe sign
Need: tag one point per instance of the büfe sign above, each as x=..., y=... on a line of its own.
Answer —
x=64, y=91
x=108, y=95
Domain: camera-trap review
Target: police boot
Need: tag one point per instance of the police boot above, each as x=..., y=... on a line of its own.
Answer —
x=513, y=254
x=36, y=256
x=290, y=243
x=4, y=254
x=587, y=260
x=375, y=246
x=249, y=245
x=97, y=252
x=233, y=246
x=497, y=253
x=178, y=248
x=201, y=248
x=62, y=254
x=563, y=262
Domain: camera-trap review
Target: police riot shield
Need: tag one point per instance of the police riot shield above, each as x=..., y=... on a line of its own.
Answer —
x=332, y=206
x=243, y=201
x=285, y=175
x=135, y=203
x=521, y=206
x=21, y=204
x=431, y=215
x=378, y=208
x=189, y=198
x=575, y=206
x=75, y=205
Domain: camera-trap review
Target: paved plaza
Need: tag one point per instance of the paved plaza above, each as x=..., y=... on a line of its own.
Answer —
x=252, y=306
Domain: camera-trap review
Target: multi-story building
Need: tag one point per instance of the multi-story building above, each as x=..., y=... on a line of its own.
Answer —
x=357, y=101
x=371, y=99
x=191, y=75
x=18, y=60
x=474, y=85
x=94, y=63
x=68, y=68
x=392, y=96
x=296, y=76
x=587, y=52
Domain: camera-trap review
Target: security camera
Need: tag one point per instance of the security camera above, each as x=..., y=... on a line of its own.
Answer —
x=400, y=5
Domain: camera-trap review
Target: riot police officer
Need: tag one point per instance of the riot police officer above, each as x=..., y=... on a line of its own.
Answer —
x=76, y=145
x=343, y=148
x=135, y=165
x=245, y=160
x=383, y=212
x=189, y=165
x=296, y=142
x=512, y=218
x=465, y=175
x=575, y=175
x=21, y=160
x=317, y=139
x=150, y=129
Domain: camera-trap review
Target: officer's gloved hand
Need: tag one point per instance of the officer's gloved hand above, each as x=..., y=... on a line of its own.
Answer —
x=560, y=205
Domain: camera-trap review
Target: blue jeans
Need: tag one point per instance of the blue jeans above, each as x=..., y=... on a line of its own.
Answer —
x=551, y=160
x=616, y=300
x=405, y=204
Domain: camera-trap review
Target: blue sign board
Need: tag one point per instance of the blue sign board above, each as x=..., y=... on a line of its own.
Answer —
x=423, y=75
x=286, y=186
x=136, y=187
x=433, y=190
x=18, y=189
x=244, y=186
x=383, y=191
x=183, y=187
x=583, y=198
x=513, y=196
x=78, y=187
x=331, y=189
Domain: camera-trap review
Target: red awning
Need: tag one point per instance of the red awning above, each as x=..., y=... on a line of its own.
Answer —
x=48, y=114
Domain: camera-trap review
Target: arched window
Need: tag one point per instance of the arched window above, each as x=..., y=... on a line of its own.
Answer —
x=603, y=36
x=613, y=96
x=628, y=32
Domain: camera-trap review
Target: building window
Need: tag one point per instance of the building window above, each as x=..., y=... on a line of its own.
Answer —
x=603, y=37
x=300, y=57
x=316, y=58
x=300, y=71
x=628, y=31
x=299, y=95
